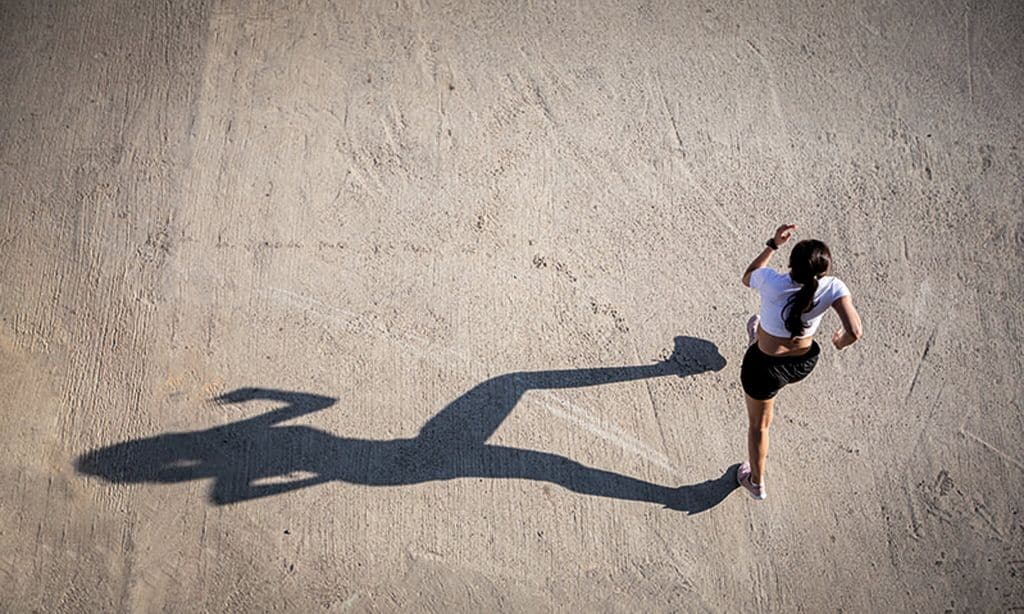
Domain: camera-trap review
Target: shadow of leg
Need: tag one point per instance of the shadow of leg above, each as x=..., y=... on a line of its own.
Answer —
x=516, y=463
x=697, y=498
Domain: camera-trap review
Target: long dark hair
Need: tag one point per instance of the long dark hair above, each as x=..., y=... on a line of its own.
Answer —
x=808, y=261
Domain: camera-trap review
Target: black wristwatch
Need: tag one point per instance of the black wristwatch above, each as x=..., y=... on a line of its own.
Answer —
x=772, y=244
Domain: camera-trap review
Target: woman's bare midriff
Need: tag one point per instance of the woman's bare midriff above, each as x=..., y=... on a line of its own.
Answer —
x=782, y=346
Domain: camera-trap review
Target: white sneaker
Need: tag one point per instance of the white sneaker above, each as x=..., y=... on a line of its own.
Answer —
x=757, y=491
x=752, y=329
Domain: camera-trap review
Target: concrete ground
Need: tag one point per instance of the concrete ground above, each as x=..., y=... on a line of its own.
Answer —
x=435, y=306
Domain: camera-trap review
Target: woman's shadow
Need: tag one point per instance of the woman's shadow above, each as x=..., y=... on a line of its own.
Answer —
x=255, y=458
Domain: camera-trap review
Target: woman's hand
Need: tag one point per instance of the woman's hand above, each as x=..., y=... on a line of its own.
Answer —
x=783, y=233
x=839, y=338
x=843, y=338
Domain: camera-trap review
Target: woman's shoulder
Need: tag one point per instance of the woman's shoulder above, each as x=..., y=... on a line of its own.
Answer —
x=834, y=287
x=765, y=276
x=773, y=274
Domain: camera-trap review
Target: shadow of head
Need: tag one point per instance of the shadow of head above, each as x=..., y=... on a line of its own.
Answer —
x=178, y=457
x=173, y=457
x=694, y=355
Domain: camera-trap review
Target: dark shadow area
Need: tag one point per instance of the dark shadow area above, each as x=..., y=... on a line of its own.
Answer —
x=255, y=457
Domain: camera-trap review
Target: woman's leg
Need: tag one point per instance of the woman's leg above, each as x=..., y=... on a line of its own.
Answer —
x=760, y=414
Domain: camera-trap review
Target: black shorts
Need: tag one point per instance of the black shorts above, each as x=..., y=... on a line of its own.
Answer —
x=763, y=376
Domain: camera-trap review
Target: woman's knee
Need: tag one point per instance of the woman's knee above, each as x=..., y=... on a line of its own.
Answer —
x=758, y=432
x=760, y=413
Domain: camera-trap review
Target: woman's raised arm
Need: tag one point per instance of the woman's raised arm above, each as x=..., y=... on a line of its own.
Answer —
x=782, y=234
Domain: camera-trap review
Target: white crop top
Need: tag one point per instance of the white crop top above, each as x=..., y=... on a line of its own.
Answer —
x=776, y=288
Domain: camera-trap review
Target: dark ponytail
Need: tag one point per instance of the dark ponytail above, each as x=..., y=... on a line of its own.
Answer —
x=808, y=261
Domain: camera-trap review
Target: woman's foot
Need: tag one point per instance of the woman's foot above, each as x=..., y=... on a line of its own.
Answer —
x=752, y=329
x=757, y=491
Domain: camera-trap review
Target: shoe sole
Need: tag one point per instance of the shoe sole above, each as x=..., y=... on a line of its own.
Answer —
x=752, y=329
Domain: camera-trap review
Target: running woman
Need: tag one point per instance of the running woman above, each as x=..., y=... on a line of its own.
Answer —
x=782, y=349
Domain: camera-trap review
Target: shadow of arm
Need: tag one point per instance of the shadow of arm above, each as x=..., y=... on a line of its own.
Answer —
x=296, y=403
x=226, y=492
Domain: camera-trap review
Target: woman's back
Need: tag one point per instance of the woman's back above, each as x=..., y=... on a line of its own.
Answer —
x=777, y=289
